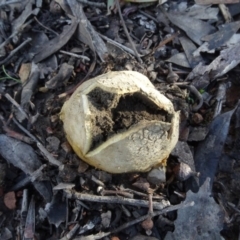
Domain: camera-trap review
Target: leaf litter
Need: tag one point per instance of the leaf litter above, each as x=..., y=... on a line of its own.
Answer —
x=46, y=191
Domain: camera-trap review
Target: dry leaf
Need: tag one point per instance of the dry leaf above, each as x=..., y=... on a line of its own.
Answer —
x=203, y=221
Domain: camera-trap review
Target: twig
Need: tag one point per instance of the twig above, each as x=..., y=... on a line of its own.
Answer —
x=10, y=55
x=29, y=230
x=126, y=32
x=14, y=134
x=116, y=192
x=163, y=211
x=17, y=135
x=94, y=179
x=9, y=2
x=131, y=223
x=75, y=55
x=100, y=235
x=70, y=91
x=225, y=12
x=15, y=33
x=149, y=16
x=48, y=156
x=113, y=199
x=181, y=195
x=25, y=130
x=95, y=4
x=10, y=99
x=140, y=193
x=83, y=204
x=32, y=178
x=72, y=232
x=165, y=41
x=43, y=150
x=24, y=204
x=129, y=50
x=221, y=94
x=50, y=30
x=125, y=211
x=196, y=93
x=2, y=220
x=150, y=199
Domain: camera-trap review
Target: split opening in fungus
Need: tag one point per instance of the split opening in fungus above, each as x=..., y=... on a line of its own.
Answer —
x=114, y=115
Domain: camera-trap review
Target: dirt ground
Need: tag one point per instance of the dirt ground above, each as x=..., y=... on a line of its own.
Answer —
x=189, y=51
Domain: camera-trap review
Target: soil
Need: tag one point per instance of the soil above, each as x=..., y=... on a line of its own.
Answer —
x=115, y=114
x=42, y=215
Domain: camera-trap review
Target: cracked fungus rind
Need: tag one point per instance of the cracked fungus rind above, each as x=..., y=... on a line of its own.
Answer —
x=120, y=123
x=117, y=113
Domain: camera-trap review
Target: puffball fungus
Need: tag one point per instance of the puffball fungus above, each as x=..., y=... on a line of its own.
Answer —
x=119, y=122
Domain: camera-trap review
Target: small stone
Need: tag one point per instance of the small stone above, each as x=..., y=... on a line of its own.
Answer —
x=82, y=167
x=198, y=133
x=183, y=172
x=142, y=237
x=49, y=130
x=106, y=219
x=10, y=200
x=197, y=118
x=114, y=238
x=66, y=147
x=67, y=174
x=54, y=143
x=103, y=176
x=147, y=224
x=54, y=118
x=172, y=76
x=157, y=175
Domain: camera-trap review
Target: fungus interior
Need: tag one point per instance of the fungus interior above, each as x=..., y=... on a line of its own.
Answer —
x=116, y=113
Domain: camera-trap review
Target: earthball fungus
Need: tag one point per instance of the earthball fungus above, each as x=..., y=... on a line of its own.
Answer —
x=119, y=122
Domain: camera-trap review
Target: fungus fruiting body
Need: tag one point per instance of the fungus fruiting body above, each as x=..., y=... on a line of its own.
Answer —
x=119, y=122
